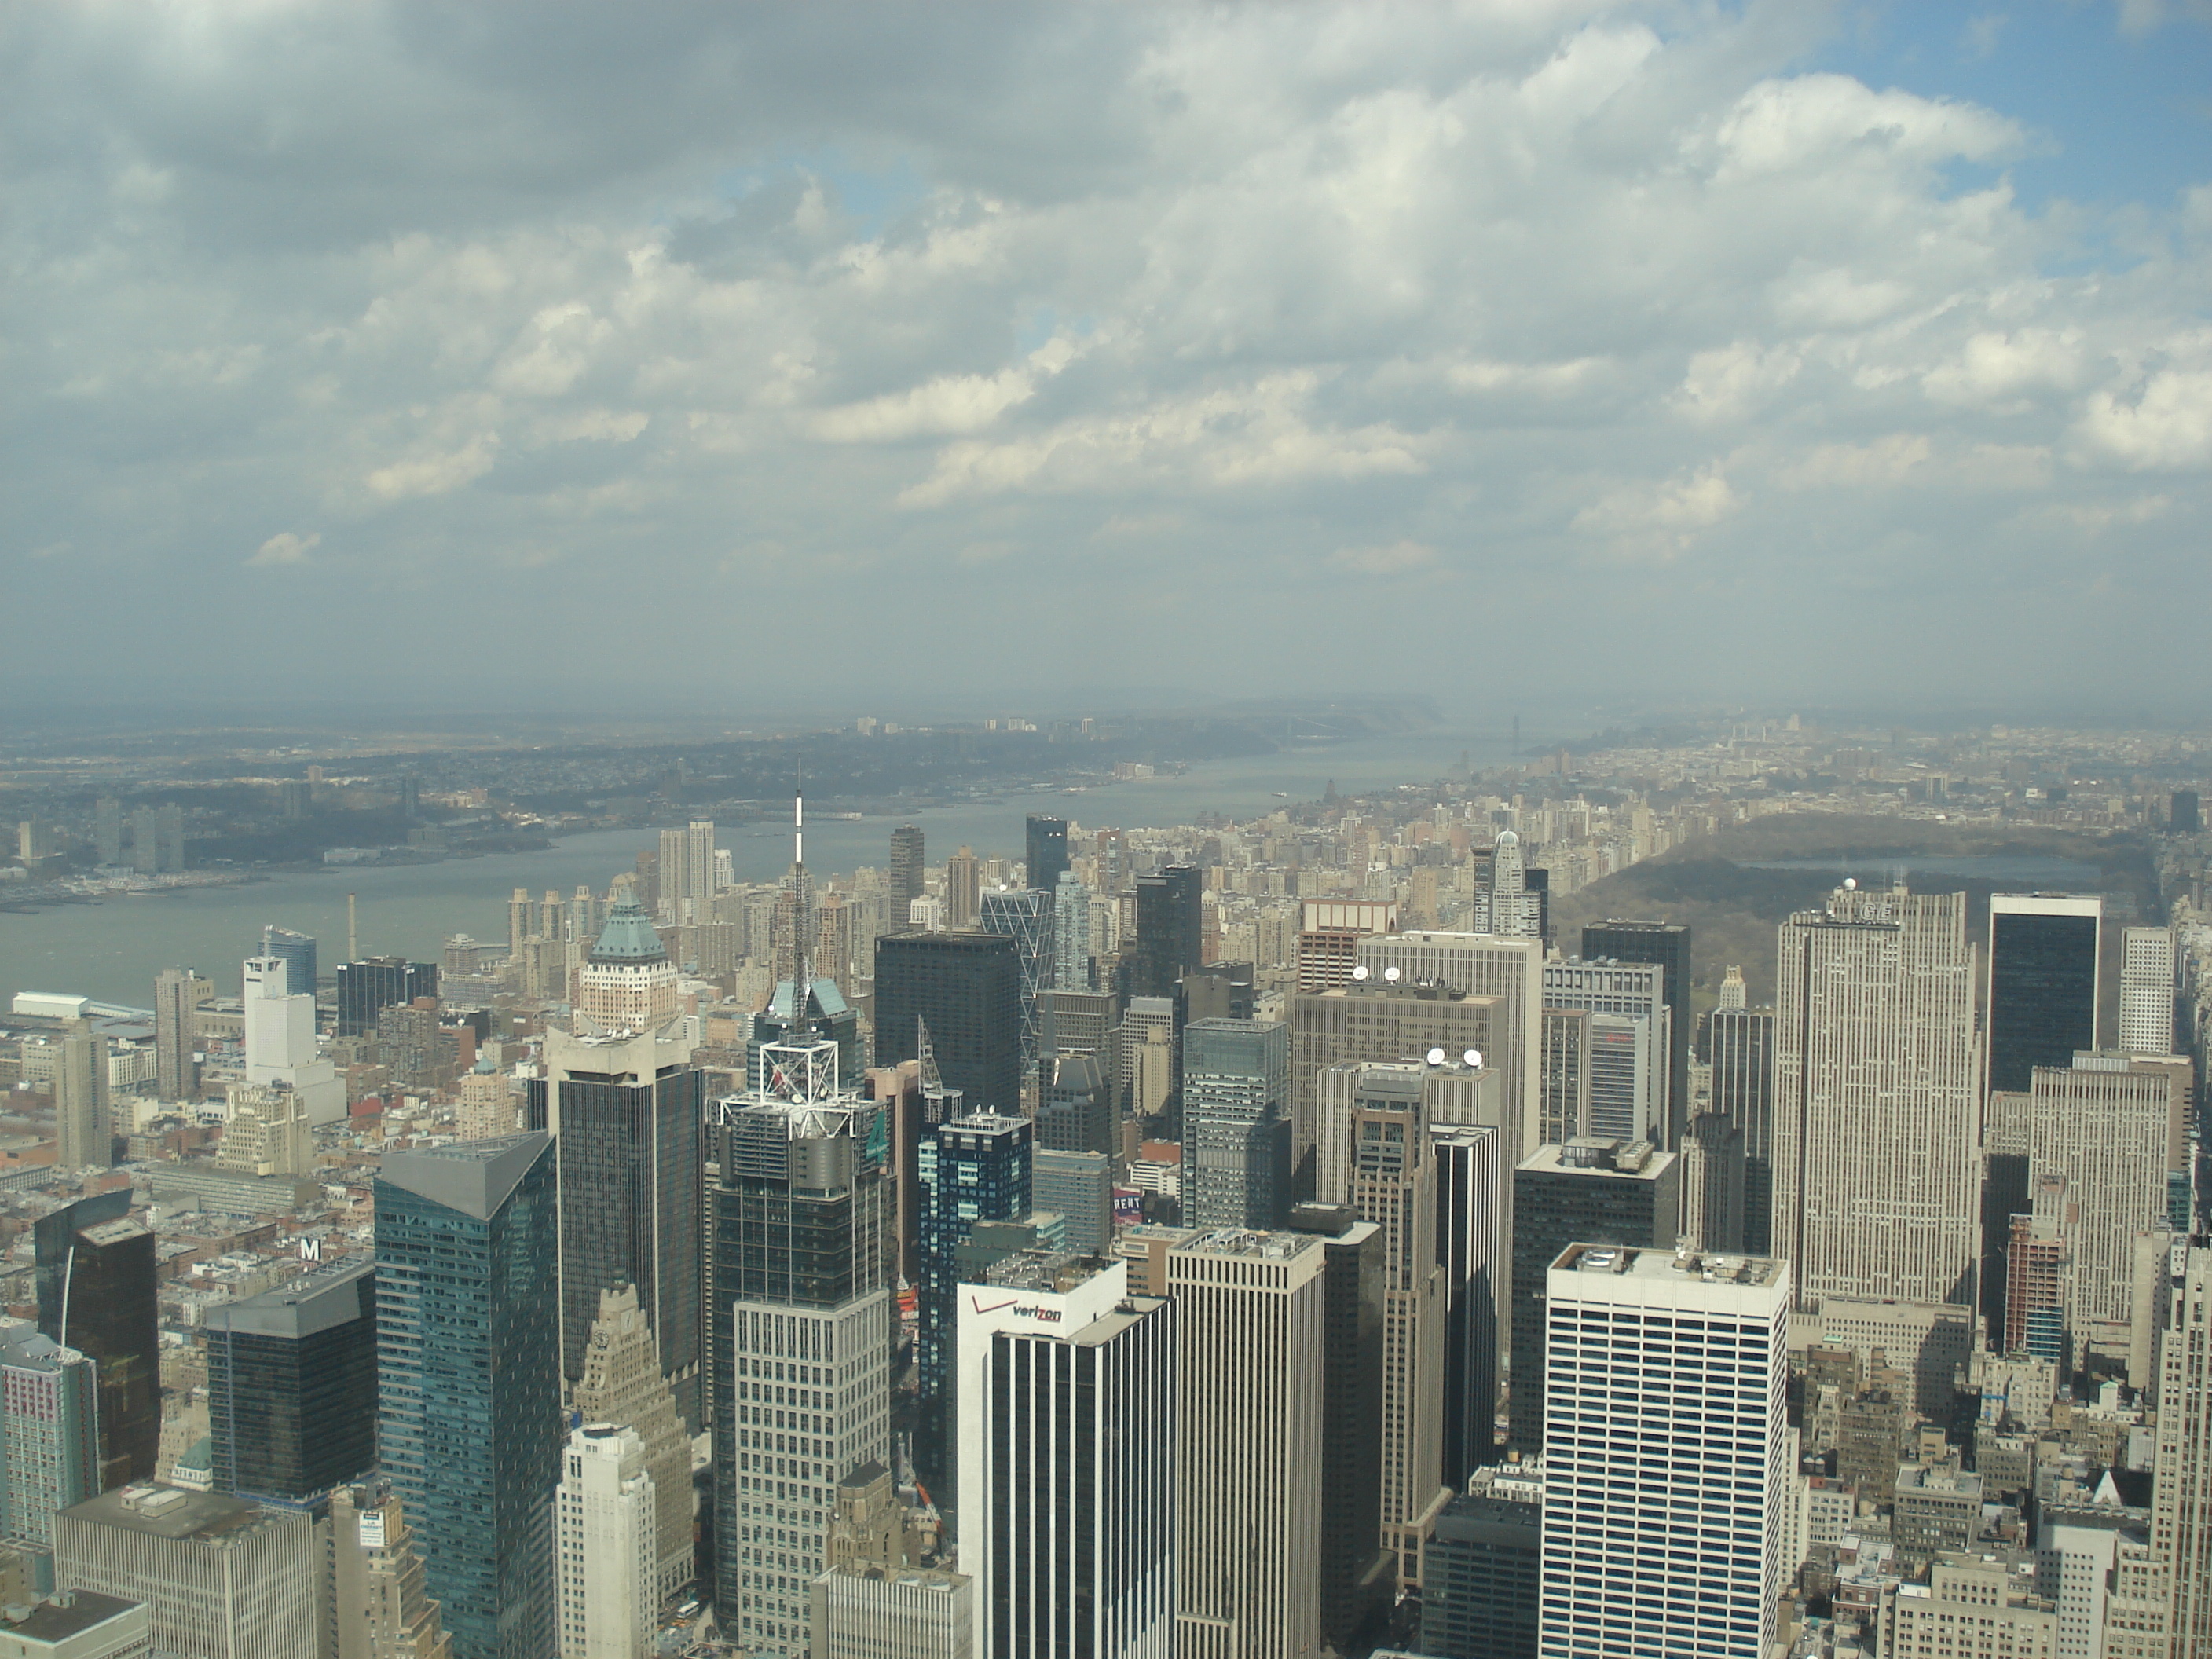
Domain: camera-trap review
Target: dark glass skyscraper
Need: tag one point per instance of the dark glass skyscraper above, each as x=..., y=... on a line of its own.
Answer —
x=1170, y=932
x=1667, y=944
x=974, y=1169
x=1047, y=851
x=2043, y=983
x=1482, y=1579
x=968, y=987
x=1587, y=1192
x=1739, y=1047
x=626, y=1109
x=1025, y=917
x=375, y=983
x=469, y=1380
x=292, y=1395
x=94, y=1272
x=1075, y=1113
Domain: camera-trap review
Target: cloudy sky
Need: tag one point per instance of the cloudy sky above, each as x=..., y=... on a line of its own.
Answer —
x=1508, y=351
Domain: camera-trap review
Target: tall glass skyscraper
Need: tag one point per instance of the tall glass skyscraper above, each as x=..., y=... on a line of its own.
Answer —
x=967, y=987
x=1024, y=915
x=469, y=1361
x=1170, y=932
x=2043, y=983
x=297, y=952
x=1047, y=851
x=292, y=1384
x=974, y=1169
x=1236, y=1122
x=95, y=1274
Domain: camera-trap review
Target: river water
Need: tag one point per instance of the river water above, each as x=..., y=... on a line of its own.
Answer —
x=111, y=952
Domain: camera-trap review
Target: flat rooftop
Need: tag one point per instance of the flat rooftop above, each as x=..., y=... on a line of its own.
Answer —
x=1670, y=1266
x=56, y=1621
x=169, y=1511
x=1236, y=1241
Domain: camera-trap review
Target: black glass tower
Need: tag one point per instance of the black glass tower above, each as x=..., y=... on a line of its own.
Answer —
x=630, y=1141
x=1170, y=932
x=94, y=1273
x=968, y=986
x=905, y=874
x=292, y=1384
x=368, y=986
x=1482, y=1579
x=2043, y=983
x=1667, y=944
x=1739, y=1047
x=1047, y=851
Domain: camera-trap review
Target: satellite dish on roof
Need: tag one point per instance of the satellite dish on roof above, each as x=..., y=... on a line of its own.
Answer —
x=1391, y=975
x=1474, y=1057
x=1435, y=1056
x=1360, y=972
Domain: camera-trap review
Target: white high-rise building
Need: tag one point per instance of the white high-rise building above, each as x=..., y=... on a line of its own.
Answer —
x=1251, y=1327
x=1067, y=1399
x=1509, y=907
x=1877, y=1108
x=280, y=1042
x=1665, y=1462
x=1070, y=934
x=2181, y=1499
x=604, y=1539
x=2147, y=991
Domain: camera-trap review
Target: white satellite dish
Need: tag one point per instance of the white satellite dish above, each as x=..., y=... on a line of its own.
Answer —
x=1850, y=883
x=1435, y=1056
x=1360, y=972
x=1391, y=975
x=1474, y=1057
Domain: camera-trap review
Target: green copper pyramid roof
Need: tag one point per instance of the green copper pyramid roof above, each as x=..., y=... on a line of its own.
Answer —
x=628, y=936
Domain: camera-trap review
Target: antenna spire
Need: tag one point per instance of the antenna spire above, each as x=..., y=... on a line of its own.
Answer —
x=802, y=905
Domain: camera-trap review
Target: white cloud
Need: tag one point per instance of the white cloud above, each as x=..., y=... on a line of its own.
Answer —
x=951, y=404
x=287, y=547
x=2164, y=424
x=1662, y=518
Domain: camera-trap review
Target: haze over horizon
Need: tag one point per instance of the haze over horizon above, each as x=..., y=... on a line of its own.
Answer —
x=1854, y=354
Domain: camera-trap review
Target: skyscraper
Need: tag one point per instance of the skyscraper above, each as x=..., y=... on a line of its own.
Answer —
x=1510, y=971
x=281, y=1049
x=107, y=829
x=1358, y=1575
x=1877, y=1145
x=1473, y=1191
x=379, y=1603
x=1251, y=1316
x=95, y=1274
x=292, y=1395
x=178, y=993
x=906, y=874
x=2043, y=983
x=2147, y=991
x=1169, y=928
x=367, y=988
x=605, y=1541
x=626, y=1108
x=1047, y=851
x=84, y=1139
x=1066, y=1395
x=1077, y=1186
x=469, y=1372
x=1666, y=944
x=622, y=1384
x=1390, y=1179
x=800, y=1256
x=963, y=888
x=627, y=982
x=976, y=1168
x=1627, y=1570
x=1073, y=969
x=2181, y=1496
x=297, y=952
x=968, y=986
x=1077, y=1113
x=1237, y=1128
x=49, y=1431
x=1596, y=1192
x=1509, y=908
x=1025, y=917
x=1740, y=1049
x=1630, y=1043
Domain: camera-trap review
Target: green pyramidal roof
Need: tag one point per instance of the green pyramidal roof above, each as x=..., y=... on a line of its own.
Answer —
x=628, y=936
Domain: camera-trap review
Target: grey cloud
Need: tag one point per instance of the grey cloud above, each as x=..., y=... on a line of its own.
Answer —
x=1081, y=343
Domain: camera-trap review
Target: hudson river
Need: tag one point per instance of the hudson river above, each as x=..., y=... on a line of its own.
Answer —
x=111, y=952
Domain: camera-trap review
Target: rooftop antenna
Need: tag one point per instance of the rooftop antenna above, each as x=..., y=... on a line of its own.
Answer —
x=802, y=919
